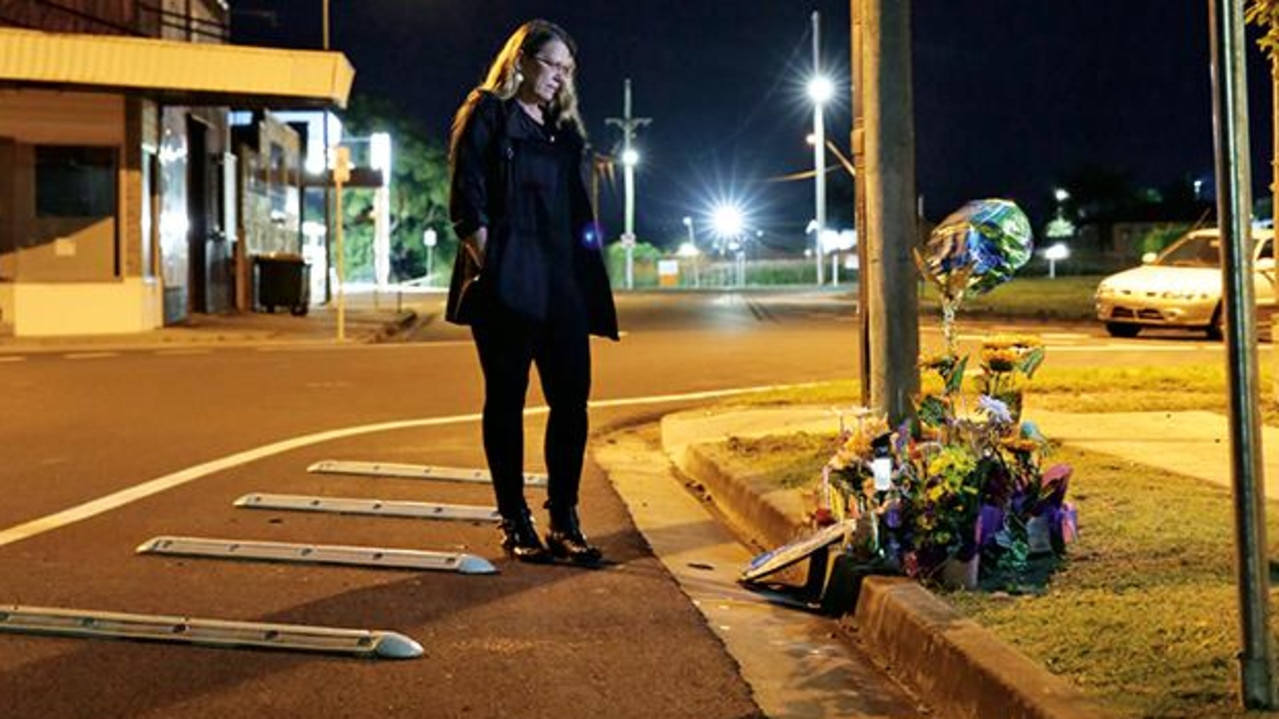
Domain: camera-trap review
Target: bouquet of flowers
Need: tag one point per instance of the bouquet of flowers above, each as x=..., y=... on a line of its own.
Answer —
x=951, y=485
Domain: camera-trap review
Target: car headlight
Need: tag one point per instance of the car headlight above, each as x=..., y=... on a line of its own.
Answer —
x=1105, y=290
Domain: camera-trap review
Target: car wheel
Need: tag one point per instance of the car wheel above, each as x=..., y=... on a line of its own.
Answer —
x=1122, y=329
x=1217, y=329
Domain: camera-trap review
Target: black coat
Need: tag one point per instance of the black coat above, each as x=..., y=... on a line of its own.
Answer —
x=516, y=267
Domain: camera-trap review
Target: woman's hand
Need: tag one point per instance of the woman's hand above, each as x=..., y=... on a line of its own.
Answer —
x=475, y=244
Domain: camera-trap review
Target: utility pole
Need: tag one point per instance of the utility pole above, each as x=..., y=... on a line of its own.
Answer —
x=858, y=145
x=891, y=228
x=819, y=148
x=630, y=158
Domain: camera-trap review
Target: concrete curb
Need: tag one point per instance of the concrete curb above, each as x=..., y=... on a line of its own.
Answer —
x=956, y=663
x=767, y=520
x=961, y=668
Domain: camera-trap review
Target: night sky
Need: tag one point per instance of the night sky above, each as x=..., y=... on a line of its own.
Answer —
x=1011, y=96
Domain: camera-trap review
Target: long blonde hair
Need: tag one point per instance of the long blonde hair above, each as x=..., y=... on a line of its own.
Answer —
x=503, y=78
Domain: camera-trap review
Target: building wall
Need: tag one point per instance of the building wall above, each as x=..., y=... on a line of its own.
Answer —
x=60, y=248
x=48, y=255
x=193, y=20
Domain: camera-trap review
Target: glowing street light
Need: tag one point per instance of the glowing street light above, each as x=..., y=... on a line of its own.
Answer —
x=727, y=221
x=1053, y=253
x=821, y=89
x=630, y=157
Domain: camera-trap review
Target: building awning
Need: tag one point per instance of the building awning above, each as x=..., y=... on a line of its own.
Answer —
x=176, y=72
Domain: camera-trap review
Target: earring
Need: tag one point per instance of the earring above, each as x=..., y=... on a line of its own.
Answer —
x=519, y=78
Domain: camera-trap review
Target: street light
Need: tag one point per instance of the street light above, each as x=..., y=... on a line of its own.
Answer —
x=692, y=253
x=1054, y=253
x=728, y=223
x=630, y=158
x=820, y=91
x=429, y=238
x=727, y=220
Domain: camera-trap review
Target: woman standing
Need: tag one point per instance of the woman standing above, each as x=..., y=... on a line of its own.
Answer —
x=529, y=278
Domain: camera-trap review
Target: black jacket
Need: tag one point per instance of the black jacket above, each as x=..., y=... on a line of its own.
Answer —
x=516, y=269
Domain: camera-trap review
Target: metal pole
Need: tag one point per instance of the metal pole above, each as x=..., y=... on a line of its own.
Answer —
x=328, y=173
x=1230, y=116
x=819, y=151
x=696, y=259
x=628, y=169
x=340, y=176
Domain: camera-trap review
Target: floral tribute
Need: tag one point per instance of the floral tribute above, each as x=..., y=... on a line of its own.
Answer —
x=952, y=487
x=958, y=489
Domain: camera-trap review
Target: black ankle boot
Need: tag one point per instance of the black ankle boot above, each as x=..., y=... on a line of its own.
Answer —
x=520, y=539
x=566, y=540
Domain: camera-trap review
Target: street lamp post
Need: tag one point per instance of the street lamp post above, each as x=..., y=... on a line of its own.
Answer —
x=692, y=242
x=820, y=90
x=630, y=158
x=429, y=239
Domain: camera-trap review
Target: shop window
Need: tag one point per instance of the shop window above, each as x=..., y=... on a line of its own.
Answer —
x=75, y=181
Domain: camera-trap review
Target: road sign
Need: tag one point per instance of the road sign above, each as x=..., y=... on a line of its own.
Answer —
x=342, y=165
x=414, y=471
x=206, y=632
x=377, y=557
x=374, y=507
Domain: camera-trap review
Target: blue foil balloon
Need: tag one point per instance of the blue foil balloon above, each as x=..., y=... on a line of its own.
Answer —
x=977, y=248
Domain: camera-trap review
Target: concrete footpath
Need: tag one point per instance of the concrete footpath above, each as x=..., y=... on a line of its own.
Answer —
x=961, y=668
x=369, y=317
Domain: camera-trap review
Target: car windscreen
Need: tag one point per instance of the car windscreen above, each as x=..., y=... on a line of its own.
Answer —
x=1193, y=251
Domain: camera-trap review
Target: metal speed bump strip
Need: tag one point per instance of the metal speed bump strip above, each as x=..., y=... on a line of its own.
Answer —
x=374, y=507
x=376, y=557
x=206, y=632
x=415, y=471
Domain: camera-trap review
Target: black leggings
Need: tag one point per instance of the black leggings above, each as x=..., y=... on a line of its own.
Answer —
x=508, y=345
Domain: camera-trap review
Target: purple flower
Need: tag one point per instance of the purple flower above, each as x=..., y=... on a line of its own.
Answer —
x=989, y=523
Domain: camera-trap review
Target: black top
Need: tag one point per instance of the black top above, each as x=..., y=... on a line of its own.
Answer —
x=524, y=182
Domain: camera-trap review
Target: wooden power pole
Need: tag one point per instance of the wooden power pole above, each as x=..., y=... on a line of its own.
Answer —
x=889, y=233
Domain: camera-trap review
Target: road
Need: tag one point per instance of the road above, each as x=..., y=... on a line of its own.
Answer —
x=197, y=428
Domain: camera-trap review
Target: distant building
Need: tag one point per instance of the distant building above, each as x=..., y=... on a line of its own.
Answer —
x=1113, y=241
x=122, y=195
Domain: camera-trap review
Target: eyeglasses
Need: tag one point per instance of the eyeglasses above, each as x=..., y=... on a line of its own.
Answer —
x=564, y=70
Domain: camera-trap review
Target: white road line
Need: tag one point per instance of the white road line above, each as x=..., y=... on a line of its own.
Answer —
x=155, y=486
x=13, y=358
x=1128, y=348
x=182, y=353
x=90, y=355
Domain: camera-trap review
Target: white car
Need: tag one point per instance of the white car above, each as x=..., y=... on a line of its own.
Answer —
x=1181, y=287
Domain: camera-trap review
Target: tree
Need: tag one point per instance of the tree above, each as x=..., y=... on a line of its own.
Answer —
x=1265, y=15
x=419, y=193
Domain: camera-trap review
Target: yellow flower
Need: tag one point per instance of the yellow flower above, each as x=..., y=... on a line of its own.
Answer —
x=1019, y=444
x=999, y=359
x=858, y=443
x=1019, y=342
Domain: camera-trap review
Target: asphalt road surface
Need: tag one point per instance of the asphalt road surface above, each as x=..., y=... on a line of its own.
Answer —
x=103, y=450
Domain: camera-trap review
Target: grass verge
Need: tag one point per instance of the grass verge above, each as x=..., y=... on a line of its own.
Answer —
x=1143, y=614
x=1059, y=298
